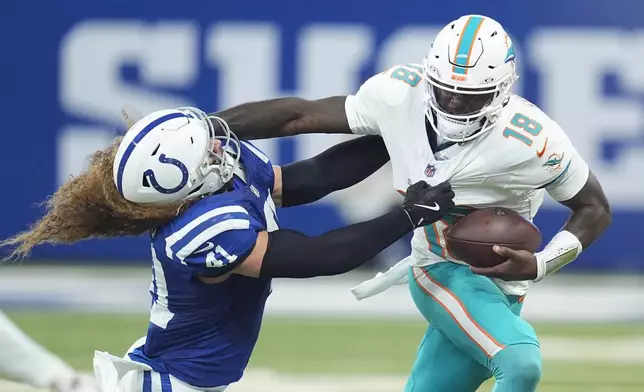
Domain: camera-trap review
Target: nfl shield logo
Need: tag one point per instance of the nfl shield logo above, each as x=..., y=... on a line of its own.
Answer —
x=430, y=170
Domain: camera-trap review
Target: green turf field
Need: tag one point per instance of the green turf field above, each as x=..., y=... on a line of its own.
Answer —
x=345, y=347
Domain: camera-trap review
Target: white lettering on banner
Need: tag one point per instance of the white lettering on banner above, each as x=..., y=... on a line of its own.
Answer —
x=330, y=59
x=92, y=57
x=335, y=70
x=94, y=53
x=573, y=65
x=248, y=57
x=405, y=45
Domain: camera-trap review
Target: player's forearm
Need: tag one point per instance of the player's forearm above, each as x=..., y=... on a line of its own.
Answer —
x=585, y=225
x=590, y=217
x=589, y=223
x=339, y=167
x=591, y=213
x=263, y=119
x=294, y=255
x=286, y=117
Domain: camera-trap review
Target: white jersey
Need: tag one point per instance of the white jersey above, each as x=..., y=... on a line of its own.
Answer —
x=511, y=166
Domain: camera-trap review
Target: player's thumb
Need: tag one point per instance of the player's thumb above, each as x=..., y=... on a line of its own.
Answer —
x=503, y=251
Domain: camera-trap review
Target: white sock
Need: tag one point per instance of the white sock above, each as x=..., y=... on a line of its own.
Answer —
x=26, y=361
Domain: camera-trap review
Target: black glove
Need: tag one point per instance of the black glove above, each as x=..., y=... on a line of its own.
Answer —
x=426, y=204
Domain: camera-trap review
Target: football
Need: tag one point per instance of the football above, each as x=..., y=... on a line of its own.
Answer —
x=471, y=238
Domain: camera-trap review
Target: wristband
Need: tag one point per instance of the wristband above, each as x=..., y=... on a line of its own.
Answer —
x=562, y=250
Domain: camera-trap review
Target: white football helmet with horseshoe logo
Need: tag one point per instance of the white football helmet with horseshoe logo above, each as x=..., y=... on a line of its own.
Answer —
x=172, y=155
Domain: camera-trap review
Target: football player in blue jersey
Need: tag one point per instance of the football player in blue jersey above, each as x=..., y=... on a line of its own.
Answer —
x=208, y=202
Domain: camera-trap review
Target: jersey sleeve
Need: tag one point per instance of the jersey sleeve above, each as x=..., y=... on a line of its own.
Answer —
x=570, y=181
x=262, y=164
x=362, y=107
x=564, y=170
x=370, y=102
x=373, y=101
x=215, y=242
x=230, y=249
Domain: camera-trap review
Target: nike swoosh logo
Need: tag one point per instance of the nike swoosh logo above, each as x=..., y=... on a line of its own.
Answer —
x=543, y=150
x=435, y=207
x=208, y=245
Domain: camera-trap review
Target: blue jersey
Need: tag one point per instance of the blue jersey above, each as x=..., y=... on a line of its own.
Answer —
x=201, y=333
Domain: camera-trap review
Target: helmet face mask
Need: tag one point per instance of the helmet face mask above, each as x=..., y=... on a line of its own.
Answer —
x=222, y=152
x=459, y=103
x=468, y=74
x=173, y=155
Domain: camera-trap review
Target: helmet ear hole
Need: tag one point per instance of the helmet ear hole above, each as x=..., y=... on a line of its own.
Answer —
x=145, y=183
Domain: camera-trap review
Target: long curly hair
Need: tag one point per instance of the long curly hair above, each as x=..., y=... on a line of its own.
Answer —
x=90, y=206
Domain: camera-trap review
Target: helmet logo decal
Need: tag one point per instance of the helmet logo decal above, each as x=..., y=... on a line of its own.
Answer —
x=508, y=44
x=510, y=55
x=137, y=139
x=149, y=174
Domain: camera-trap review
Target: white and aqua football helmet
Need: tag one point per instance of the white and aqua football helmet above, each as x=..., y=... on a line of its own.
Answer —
x=468, y=71
x=169, y=155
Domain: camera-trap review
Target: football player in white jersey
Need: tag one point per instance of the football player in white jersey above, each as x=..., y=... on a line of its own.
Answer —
x=454, y=118
x=25, y=361
x=207, y=202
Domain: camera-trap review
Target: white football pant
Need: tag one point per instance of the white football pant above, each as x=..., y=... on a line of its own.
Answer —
x=116, y=374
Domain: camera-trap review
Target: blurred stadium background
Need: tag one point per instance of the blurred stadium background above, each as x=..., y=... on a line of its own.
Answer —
x=69, y=65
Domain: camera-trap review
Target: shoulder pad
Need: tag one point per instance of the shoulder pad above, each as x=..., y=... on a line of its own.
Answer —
x=394, y=85
x=194, y=231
